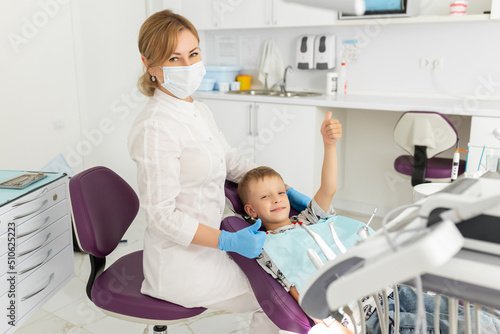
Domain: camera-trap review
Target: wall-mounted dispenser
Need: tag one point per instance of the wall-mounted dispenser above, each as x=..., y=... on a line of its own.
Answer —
x=324, y=52
x=305, y=52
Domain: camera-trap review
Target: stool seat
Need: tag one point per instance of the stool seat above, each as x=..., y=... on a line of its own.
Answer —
x=437, y=168
x=118, y=288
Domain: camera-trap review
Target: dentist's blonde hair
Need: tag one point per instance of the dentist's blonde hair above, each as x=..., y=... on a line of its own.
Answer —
x=158, y=39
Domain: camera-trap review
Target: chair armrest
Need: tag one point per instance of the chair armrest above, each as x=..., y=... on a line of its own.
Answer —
x=278, y=304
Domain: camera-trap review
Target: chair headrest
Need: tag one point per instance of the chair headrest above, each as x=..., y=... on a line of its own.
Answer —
x=103, y=207
x=430, y=129
x=231, y=190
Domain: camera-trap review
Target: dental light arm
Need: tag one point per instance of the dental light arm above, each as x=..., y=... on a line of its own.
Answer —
x=356, y=7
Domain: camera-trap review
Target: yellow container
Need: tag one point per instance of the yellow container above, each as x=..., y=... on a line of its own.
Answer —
x=245, y=81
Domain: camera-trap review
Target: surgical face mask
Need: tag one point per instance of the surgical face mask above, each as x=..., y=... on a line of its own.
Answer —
x=183, y=81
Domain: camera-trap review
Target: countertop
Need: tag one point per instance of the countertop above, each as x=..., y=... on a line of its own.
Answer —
x=467, y=105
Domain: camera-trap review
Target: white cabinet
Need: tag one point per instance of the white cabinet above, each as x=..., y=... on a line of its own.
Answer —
x=284, y=137
x=286, y=14
x=36, y=254
x=239, y=14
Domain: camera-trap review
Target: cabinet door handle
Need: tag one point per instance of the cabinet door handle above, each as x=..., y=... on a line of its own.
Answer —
x=250, y=123
x=35, y=230
x=256, y=117
x=24, y=271
x=274, y=13
x=51, y=277
x=216, y=14
x=32, y=212
x=37, y=247
x=269, y=13
x=31, y=200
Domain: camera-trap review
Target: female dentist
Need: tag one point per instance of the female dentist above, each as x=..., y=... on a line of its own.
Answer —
x=183, y=161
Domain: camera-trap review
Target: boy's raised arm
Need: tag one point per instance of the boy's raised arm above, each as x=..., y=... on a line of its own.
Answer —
x=331, y=131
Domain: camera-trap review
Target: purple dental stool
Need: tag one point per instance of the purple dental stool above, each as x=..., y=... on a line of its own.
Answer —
x=425, y=134
x=103, y=207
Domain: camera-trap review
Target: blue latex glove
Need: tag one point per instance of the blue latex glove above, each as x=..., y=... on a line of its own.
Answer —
x=297, y=200
x=247, y=242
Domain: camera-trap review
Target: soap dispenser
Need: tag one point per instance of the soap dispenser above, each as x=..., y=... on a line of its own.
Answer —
x=324, y=52
x=305, y=52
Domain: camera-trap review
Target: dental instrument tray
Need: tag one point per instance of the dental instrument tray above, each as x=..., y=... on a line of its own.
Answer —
x=22, y=181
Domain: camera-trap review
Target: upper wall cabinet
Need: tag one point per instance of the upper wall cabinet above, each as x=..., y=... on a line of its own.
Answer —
x=239, y=14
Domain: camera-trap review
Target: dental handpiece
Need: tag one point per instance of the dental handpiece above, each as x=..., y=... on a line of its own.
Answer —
x=363, y=232
x=336, y=238
x=315, y=259
x=330, y=255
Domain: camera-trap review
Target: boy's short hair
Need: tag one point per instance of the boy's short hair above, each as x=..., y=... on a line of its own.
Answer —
x=258, y=173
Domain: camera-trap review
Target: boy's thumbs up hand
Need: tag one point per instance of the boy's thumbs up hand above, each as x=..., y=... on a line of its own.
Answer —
x=331, y=129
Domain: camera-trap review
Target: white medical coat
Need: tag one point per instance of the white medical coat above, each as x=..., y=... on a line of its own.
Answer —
x=183, y=161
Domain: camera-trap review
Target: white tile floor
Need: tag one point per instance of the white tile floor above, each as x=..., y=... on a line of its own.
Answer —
x=71, y=312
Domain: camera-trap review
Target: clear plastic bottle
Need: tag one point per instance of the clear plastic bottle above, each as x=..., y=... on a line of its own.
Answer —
x=331, y=83
x=342, y=81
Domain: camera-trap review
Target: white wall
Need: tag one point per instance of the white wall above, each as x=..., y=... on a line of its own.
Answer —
x=38, y=84
x=68, y=83
x=109, y=65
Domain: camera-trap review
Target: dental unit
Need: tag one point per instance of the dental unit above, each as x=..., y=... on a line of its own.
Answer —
x=451, y=238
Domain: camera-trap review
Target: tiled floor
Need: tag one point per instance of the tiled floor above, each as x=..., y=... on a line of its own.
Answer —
x=71, y=312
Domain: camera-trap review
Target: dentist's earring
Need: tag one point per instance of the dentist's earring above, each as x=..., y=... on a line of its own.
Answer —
x=153, y=77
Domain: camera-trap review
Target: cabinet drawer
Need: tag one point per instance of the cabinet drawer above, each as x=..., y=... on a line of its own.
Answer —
x=28, y=266
x=44, y=282
x=29, y=228
x=482, y=131
x=27, y=207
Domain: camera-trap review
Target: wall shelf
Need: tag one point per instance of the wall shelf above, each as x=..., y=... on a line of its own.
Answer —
x=411, y=20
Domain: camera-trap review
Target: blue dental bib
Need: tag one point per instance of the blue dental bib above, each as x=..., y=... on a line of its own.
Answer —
x=288, y=250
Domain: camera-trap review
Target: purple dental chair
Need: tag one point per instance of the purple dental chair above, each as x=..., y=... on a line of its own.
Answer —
x=278, y=304
x=424, y=135
x=103, y=207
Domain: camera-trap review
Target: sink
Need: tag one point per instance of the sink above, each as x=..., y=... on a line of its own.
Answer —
x=273, y=93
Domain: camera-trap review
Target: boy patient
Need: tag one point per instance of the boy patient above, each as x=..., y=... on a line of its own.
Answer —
x=264, y=196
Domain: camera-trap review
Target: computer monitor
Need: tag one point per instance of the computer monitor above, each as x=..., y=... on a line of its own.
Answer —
x=386, y=8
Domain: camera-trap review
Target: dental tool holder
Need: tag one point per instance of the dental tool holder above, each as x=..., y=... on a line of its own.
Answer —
x=474, y=205
x=374, y=264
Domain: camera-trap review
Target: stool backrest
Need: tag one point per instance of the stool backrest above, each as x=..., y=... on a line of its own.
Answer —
x=103, y=207
x=430, y=129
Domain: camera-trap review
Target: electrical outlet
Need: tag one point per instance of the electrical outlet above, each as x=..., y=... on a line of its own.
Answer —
x=431, y=63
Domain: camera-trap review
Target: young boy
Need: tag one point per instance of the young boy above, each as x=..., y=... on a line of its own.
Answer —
x=264, y=196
